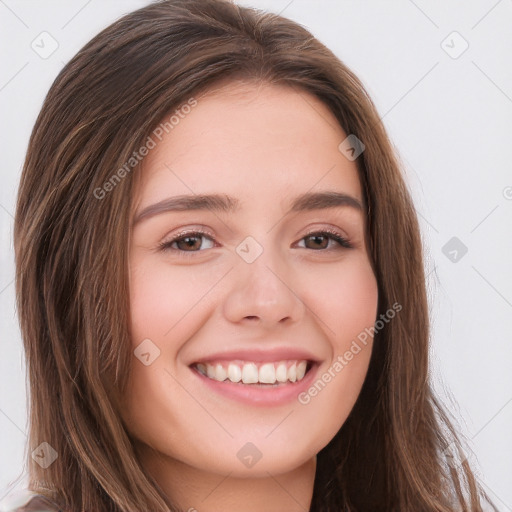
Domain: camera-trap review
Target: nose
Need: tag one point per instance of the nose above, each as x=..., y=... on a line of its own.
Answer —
x=263, y=292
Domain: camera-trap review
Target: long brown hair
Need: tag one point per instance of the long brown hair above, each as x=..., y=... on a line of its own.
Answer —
x=72, y=271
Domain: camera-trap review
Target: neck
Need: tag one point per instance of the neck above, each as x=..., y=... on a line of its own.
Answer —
x=194, y=490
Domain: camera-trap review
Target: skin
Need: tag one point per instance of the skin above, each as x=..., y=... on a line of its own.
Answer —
x=264, y=145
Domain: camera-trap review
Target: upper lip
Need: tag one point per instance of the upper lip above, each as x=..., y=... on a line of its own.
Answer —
x=259, y=356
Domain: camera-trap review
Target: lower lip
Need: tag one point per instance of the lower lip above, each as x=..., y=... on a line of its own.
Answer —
x=264, y=395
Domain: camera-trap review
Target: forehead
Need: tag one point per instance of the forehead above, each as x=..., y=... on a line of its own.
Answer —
x=250, y=141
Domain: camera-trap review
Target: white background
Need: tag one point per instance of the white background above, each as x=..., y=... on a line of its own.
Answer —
x=450, y=120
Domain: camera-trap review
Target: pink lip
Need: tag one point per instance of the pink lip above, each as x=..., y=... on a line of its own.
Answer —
x=259, y=356
x=260, y=395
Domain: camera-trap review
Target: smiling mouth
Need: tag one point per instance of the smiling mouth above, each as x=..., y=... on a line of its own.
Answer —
x=252, y=373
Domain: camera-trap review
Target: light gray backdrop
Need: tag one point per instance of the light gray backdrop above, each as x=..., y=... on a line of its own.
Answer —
x=440, y=74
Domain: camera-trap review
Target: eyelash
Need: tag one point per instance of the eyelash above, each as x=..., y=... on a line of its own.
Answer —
x=333, y=235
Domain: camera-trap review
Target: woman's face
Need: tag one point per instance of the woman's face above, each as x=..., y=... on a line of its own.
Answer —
x=235, y=273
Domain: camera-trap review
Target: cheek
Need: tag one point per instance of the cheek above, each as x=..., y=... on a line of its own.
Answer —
x=346, y=300
x=167, y=305
x=164, y=297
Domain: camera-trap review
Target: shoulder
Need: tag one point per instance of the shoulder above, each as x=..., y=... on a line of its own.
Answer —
x=34, y=503
x=39, y=504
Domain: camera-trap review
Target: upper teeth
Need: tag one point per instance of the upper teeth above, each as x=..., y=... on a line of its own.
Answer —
x=250, y=373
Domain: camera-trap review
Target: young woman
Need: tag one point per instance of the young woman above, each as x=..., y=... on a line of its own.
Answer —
x=220, y=281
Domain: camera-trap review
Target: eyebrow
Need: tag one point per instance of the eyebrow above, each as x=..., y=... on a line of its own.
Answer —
x=308, y=201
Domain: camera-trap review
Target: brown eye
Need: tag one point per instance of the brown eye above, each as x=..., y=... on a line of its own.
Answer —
x=318, y=241
x=191, y=242
x=321, y=241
